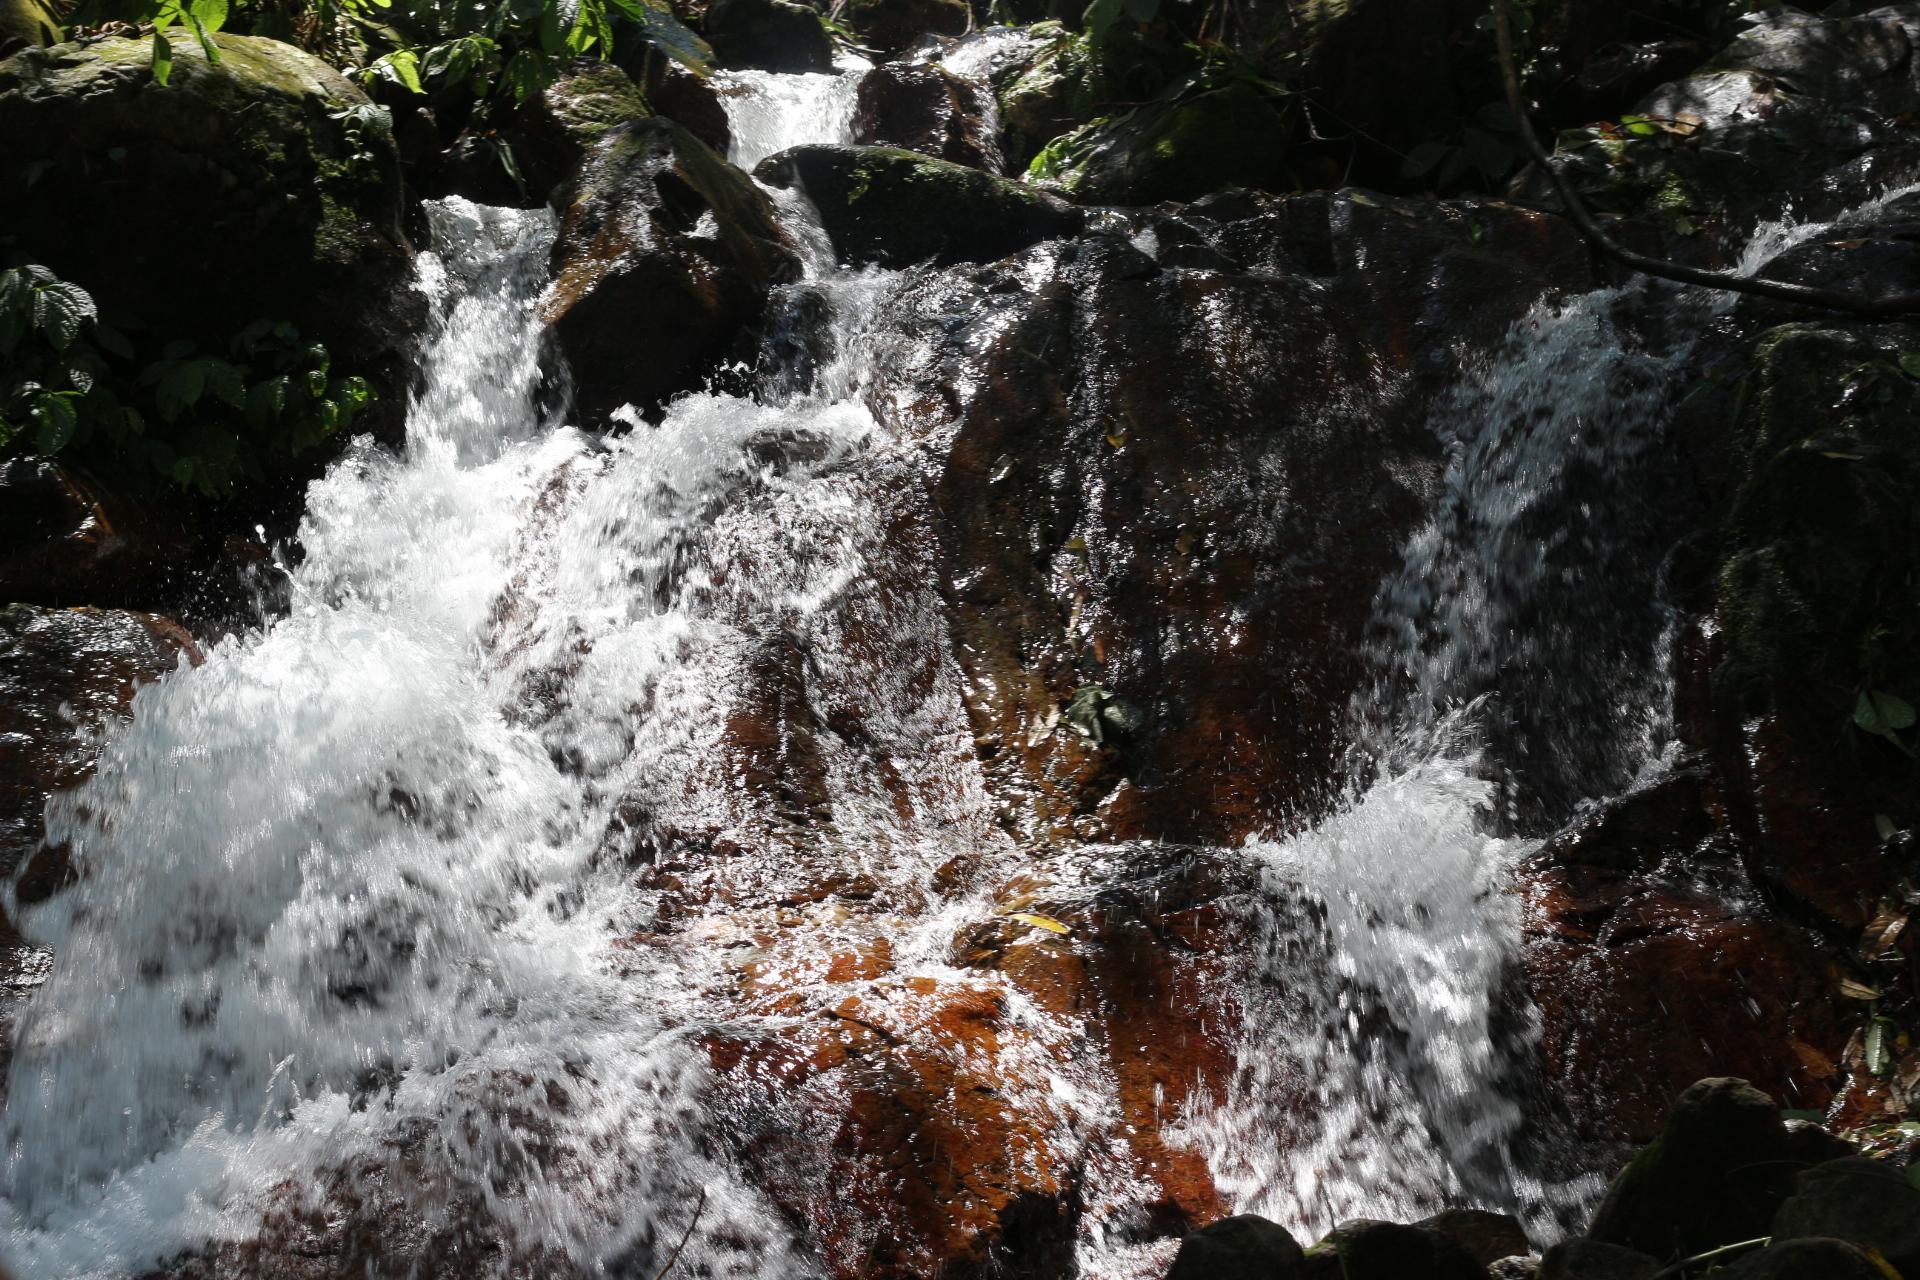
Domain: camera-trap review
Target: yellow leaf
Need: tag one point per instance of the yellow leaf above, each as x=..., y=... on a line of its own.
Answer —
x=1039, y=921
x=1857, y=990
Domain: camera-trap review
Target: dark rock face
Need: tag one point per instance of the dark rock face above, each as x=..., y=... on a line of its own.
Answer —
x=273, y=207
x=1487, y=1236
x=1247, y=1247
x=896, y=208
x=890, y=27
x=1715, y=1176
x=1234, y=137
x=770, y=35
x=1368, y=1250
x=1816, y=612
x=1857, y=1200
x=1596, y=1260
x=1649, y=886
x=64, y=540
x=1806, y=1260
x=64, y=674
x=665, y=257
x=1098, y=422
x=928, y=109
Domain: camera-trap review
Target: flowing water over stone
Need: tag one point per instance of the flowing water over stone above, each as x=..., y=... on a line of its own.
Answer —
x=455, y=895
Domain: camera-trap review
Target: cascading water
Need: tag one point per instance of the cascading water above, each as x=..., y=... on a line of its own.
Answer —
x=1521, y=674
x=384, y=910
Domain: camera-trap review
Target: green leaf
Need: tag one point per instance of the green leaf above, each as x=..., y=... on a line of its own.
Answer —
x=1910, y=363
x=162, y=56
x=402, y=67
x=207, y=46
x=1099, y=17
x=527, y=73
x=54, y=411
x=60, y=310
x=112, y=341
x=1882, y=713
x=1424, y=159
x=225, y=382
x=211, y=14
x=1880, y=1035
x=180, y=387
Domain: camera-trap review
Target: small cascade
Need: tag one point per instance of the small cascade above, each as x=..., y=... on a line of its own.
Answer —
x=769, y=111
x=1521, y=674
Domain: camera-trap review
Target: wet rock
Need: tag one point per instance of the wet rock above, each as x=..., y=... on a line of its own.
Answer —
x=895, y=208
x=665, y=258
x=1368, y=1250
x=64, y=675
x=893, y=26
x=548, y=137
x=687, y=99
x=1716, y=1175
x=1645, y=888
x=925, y=108
x=1814, y=670
x=278, y=183
x=1233, y=137
x=1487, y=1236
x=1862, y=1201
x=1514, y=1269
x=1246, y=1247
x=65, y=540
x=1102, y=427
x=1596, y=1260
x=1806, y=1260
x=769, y=35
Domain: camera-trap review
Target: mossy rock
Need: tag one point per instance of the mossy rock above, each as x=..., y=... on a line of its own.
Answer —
x=550, y=135
x=1715, y=1176
x=1048, y=97
x=1231, y=137
x=28, y=22
x=893, y=207
x=262, y=186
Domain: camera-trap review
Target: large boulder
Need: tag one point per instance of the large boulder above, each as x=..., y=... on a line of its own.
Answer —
x=1817, y=663
x=1368, y=1250
x=1724, y=1165
x=1646, y=980
x=768, y=35
x=1861, y=1201
x=926, y=108
x=1247, y=1247
x=896, y=208
x=1102, y=420
x=266, y=186
x=665, y=258
x=1807, y=1260
x=67, y=540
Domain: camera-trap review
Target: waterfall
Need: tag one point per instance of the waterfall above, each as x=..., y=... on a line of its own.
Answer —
x=1520, y=657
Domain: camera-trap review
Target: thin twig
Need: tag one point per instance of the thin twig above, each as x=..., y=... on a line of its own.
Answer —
x=683, y=1239
x=1679, y=1268
x=1829, y=299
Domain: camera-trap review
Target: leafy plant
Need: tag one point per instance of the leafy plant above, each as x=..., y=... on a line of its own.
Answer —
x=201, y=420
x=1877, y=710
